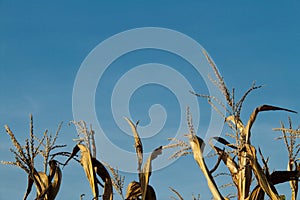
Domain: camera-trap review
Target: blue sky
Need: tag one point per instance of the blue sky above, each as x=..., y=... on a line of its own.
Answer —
x=43, y=44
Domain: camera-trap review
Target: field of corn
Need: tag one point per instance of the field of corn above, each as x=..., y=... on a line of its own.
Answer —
x=250, y=173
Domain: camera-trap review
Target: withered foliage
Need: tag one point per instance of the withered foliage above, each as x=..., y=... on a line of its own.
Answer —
x=235, y=152
x=91, y=166
x=47, y=182
x=239, y=156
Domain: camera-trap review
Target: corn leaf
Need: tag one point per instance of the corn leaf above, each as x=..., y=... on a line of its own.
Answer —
x=103, y=173
x=230, y=163
x=137, y=143
x=74, y=152
x=284, y=176
x=150, y=195
x=41, y=182
x=256, y=194
x=55, y=185
x=146, y=173
x=262, y=179
x=236, y=122
x=29, y=187
x=225, y=142
x=246, y=130
x=196, y=145
x=133, y=191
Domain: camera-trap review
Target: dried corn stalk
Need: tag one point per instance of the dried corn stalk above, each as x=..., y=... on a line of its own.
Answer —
x=142, y=188
x=47, y=186
x=91, y=167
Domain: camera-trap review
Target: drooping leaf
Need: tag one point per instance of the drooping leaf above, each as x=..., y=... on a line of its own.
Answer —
x=247, y=129
x=224, y=141
x=103, y=173
x=150, y=194
x=50, y=192
x=229, y=162
x=55, y=185
x=284, y=176
x=86, y=162
x=236, y=122
x=147, y=170
x=41, y=183
x=74, y=152
x=196, y=145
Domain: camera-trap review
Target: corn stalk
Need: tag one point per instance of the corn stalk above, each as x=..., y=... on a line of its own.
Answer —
x=142, y=188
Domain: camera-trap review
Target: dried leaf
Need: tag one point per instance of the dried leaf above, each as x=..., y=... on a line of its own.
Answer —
x=262, y=179
x=103, y=173
x=257, y=194
x=146, y=172
x=137, y=143
x=236, y=122
x=55, y=185
x=284, y=176
x=29, y=187
x=225, y=142
x=196, y=144
x=133, y=191
x=74, y=152
x=246, y=130
x=229, y=162
x=86, y=162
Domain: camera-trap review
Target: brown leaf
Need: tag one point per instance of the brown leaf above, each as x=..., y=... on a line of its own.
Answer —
x=196, y=145
x=137, y=143
x=74, y=152
x=225, y=142
x=133, y=191
x=103, y=173
x=247, y=129
x=29, y=187
x=55, y=185
x=41, y=183
x=257, y=194
x=147, y=170
x=86, y=162
x=262, y=179
x=284, y=176
x=229, y=162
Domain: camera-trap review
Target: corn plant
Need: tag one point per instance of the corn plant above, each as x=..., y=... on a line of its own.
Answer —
x=47, y=186
x=142, y=189
x=290, y=135
x=240, y=157
x=91, y=166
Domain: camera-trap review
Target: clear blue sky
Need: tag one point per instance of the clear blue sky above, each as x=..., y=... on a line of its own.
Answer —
x=43, y=44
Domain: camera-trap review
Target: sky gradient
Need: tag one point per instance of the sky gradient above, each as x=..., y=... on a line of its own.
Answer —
x=43, y=44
